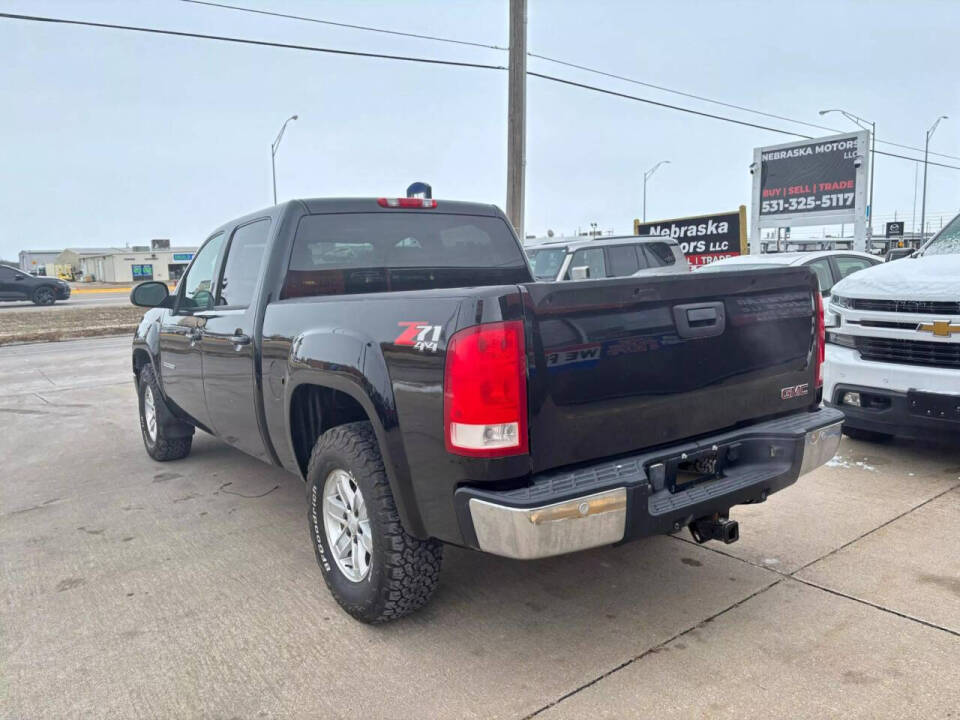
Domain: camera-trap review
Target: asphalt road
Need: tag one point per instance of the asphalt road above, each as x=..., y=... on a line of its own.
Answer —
x=138, y=589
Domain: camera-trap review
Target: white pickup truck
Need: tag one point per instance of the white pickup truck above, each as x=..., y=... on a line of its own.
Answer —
x=893, y=345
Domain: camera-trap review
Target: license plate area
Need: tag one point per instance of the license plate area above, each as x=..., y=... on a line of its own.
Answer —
x=933, y=405
x=690, y=469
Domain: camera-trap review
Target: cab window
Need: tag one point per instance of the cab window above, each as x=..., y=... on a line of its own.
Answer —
x=198, y=290
x=244, y=260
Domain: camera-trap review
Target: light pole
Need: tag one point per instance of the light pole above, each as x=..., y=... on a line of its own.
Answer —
x=923, y=203
x=273, y=155
x=860, y=122
x=646, y=176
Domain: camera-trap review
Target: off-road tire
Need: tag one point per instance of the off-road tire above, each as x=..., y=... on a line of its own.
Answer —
x=404, y=570
x=866, y=435
x=44, y=296
x=164, y=448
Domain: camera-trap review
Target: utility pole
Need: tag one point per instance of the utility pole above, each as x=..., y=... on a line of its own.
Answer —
x=923, y=203
x=517, y=114
x=861, y=123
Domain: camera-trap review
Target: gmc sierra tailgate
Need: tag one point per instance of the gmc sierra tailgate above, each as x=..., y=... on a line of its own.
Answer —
x=622, y=365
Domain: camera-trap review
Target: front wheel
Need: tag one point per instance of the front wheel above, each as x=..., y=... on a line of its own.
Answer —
x=374, y=569
x=157, y=440
x=44, y=296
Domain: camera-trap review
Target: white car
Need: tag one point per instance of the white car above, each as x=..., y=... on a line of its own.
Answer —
x=608, y=257
x=831, y=266
x=893, y=345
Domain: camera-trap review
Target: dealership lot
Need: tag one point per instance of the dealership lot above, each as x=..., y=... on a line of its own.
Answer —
x=140, y=589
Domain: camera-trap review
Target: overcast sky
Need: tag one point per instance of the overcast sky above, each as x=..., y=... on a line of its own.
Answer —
x=113, y=137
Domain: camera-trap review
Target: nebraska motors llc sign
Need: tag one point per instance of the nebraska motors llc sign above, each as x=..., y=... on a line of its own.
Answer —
x=703, y=238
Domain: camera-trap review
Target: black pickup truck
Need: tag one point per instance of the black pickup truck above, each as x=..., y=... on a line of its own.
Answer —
x=399, y=357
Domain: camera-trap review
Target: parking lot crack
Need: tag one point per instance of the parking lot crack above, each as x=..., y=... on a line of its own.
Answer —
x=873, y=530
x=654, y=649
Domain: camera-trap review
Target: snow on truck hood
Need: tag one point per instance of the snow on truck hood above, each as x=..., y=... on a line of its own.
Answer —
x=935, y=277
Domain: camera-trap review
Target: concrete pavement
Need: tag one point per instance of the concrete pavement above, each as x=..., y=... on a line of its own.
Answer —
x=141, y=589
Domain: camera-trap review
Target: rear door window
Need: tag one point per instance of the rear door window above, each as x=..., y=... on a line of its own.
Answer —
x=623, y=260
x=591, y=258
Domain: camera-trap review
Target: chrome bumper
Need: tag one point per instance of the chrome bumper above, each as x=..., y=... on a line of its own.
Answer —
x=557, y=529
x=600, y=518
x=819, y=446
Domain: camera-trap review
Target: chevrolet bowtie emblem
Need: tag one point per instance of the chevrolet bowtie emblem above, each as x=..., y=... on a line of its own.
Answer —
x=940, y=328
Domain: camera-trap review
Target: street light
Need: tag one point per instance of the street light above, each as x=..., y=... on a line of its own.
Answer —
x=923, y=204
x=273, y=155
x=646, y=176
x=860, y=122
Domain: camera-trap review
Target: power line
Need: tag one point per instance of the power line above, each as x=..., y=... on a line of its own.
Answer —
x=248, y=41
x=430, y=61
x=558, y=61
x=368, y=28
x=701, y=98
x=691, y=111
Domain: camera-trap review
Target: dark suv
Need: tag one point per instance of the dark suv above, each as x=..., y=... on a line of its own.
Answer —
x=17, y=285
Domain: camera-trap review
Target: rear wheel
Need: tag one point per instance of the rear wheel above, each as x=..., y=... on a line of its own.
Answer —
x=374, y=569
x=866, y=435
x=44, y=296
x=157, y=439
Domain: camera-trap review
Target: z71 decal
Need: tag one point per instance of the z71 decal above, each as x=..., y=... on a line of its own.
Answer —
x=420, y=336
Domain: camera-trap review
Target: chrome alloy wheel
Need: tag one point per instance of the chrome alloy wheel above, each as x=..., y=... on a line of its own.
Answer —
x=346, y=525
x=150, y=413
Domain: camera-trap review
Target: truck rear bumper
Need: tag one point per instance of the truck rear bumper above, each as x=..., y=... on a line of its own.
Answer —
x=569, y=510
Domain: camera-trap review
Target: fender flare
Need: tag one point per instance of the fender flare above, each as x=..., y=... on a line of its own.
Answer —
x=352, y=364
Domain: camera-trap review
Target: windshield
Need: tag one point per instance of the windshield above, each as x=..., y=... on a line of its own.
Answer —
x=947, y=242
x=546, y=262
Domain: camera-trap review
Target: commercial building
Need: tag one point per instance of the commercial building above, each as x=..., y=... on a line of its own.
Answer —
x=67, y=264
x=135, y=264
x=38, y=262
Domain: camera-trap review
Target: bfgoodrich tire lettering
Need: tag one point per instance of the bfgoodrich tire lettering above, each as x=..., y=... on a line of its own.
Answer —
x=403, y=570
x=160, y=446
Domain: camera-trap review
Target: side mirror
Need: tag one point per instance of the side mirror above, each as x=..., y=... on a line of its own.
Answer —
x=150, y=294
x=581, y=272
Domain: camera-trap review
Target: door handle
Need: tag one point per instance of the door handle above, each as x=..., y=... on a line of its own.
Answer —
x=240, y=339
x=194, y=335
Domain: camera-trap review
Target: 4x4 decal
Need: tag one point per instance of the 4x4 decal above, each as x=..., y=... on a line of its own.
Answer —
x=419, y=335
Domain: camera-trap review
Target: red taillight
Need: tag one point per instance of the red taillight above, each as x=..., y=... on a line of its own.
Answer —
x=821, y=340
x=485, y=391
x=407, y=202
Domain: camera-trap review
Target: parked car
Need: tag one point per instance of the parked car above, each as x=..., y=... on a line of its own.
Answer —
x=594, y=258
x=830, y=266
x=18, y=285
x=398, y=355
x=893, y=346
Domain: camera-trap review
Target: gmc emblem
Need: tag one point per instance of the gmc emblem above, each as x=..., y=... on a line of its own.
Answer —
x=794, y=391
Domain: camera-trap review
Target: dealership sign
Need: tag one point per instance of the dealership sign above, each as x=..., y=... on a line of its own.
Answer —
x=811, y=182
x=703, y=238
